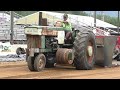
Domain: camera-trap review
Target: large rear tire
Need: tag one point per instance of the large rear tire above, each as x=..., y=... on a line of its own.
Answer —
x=84, y=59
x=30, y=62
x=40, y=62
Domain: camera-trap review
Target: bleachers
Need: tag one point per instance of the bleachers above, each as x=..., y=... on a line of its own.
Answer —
x=5, y=30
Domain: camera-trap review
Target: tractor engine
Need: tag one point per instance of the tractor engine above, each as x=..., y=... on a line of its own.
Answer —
x=51, y=42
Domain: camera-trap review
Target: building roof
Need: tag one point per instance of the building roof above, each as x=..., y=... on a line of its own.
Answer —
x=82, y=20
x=74, y=19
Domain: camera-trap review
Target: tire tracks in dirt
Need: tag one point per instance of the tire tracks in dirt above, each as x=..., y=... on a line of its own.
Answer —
x=64, y=73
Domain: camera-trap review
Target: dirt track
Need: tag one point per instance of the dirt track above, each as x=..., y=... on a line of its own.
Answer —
x=19, y=70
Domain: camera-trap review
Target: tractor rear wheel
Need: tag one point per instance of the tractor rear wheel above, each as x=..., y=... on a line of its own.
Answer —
x=30, y=62
x=84, y=50
x=40, y=62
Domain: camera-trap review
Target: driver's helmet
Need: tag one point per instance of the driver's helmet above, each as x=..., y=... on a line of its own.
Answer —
x=65, y=16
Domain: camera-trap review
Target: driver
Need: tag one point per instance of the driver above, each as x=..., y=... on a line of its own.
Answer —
x=66, y=25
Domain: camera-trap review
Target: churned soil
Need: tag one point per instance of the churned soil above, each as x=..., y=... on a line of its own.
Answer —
x=19, y=70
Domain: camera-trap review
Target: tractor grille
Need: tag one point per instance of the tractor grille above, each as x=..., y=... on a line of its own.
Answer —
x=33, y=41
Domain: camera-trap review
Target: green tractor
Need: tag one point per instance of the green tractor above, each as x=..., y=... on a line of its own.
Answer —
x=47, y=46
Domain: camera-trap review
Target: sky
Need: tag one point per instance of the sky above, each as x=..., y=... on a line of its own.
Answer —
x=110, y=13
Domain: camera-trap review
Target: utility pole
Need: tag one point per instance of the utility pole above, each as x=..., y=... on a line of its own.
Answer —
x=94, y=18
x=102, y=15
x=11, y=26
x=118, y=23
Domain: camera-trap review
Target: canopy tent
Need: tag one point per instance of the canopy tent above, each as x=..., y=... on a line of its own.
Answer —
x=82, y=20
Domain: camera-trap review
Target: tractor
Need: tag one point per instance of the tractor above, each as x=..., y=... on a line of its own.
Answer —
x=47, y=47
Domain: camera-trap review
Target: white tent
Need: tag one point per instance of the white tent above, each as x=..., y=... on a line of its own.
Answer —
x=82, y=20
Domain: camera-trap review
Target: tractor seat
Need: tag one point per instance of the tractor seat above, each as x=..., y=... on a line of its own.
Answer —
x=68, y=37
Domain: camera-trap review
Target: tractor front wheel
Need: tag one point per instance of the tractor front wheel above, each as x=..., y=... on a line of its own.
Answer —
x=40, y=62
x=30, y=62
